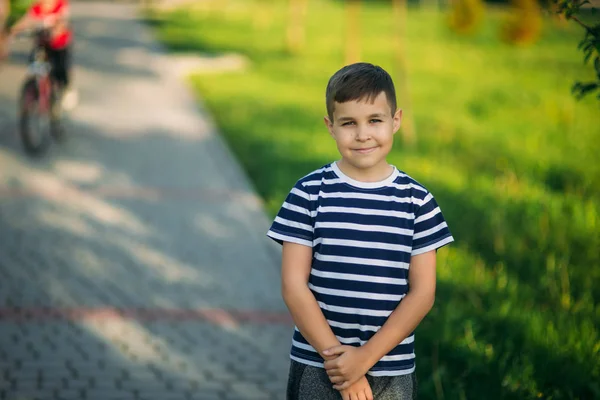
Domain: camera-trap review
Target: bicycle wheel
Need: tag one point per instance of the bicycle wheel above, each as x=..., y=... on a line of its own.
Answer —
x=34, y=127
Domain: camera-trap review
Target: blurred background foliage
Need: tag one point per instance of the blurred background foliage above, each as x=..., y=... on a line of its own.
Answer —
x=494, y=133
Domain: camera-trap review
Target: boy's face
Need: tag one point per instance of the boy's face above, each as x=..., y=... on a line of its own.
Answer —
x=364, y=132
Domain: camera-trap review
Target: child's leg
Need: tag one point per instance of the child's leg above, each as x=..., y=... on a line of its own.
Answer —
x=309, y=383
x=59, y=60
x=403, y=387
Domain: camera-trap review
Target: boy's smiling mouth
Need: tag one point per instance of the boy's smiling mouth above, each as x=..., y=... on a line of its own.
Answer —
x=365, y=150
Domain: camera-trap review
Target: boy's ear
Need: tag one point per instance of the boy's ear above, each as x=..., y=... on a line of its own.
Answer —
x=397, y=119
x=329, y=125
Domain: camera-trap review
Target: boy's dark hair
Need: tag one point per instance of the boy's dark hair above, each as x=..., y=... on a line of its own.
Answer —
x=359, y=81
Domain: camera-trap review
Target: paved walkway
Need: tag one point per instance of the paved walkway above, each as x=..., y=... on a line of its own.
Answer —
x=133, y=257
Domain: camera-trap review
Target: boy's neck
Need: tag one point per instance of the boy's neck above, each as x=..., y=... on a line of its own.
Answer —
x=374, y=174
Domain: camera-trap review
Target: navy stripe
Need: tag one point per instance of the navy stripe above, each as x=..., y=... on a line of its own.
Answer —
x=295, y=216
x=368, y=220
x=392, y=365
x=353, y=319
x=357, y=269
x=365, y=236
x=351, y=302
x=358, y=252
x=366, y=204
x=355, y=286
x=291, y=231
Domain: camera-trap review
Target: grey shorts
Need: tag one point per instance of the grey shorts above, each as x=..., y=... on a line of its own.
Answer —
x=312, y=383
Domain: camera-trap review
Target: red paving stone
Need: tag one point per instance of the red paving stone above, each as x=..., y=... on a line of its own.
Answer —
x=217, y=316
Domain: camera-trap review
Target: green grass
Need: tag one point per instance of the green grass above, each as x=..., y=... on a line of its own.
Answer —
x=17, y=9
x=510, y=155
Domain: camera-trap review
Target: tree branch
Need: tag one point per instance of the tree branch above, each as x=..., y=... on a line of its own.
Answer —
x=586, y=27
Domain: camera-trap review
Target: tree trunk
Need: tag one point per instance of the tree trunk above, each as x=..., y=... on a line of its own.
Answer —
x=296, y=29
x=352, y=31
x=408, y=128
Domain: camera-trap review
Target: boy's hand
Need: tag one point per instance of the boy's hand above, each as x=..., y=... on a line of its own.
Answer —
x=350, y=365
x=360, y=390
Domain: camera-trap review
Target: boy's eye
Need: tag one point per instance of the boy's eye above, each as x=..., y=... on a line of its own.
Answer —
x=348, y=123
x=373, y=121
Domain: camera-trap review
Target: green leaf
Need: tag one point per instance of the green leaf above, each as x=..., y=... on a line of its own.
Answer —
x=580, y=90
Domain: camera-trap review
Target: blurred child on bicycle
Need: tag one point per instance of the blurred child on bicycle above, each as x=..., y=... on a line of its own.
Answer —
x=53, y=14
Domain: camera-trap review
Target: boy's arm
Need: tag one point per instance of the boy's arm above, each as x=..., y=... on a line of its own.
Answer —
x=307, y=315
x=353, y=362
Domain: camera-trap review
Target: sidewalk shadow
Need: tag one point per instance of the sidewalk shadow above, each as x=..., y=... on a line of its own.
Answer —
x=156, y=279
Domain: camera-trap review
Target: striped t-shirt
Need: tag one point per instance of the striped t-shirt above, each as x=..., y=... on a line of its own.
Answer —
x=363, y=235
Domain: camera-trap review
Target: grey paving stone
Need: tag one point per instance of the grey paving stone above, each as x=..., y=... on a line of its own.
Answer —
x=207, y=395
x=164, y=395
x=211, y=386
x=78, y=384
x=69, y=394
x=144, y=385
x=247, y=390
x=28, y=394
x=107, y=394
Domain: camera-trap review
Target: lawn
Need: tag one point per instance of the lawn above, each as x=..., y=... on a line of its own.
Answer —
x=510, y=155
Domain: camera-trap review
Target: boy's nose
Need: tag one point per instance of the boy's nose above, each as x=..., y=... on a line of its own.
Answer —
x=362, y=133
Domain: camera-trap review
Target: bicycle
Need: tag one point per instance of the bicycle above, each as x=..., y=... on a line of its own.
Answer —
x=39, y=105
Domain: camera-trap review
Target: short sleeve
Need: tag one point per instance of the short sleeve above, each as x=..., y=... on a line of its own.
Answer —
x=294, y=221
x=431, y=230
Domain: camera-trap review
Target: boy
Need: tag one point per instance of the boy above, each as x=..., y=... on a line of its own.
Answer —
x=54, y=14
x=359, y=249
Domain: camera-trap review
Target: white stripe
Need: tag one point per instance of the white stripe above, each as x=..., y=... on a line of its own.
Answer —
x=294, y=224
x=363, y=328
x=408, y=185
x=430, y=231
x=353, y=294
x=350, y=341
x=397, y=372
x=356, y=277
x=354, y=311
x=432, y=246
x=398, y=357
x=361, y=244
x=427, y=216
x=300, y=210
x=426, y=199
x=363, y=228
x=353, y=340
x=300, y=193
x=368, y=196
x=303, y=346
x=287, y=238
x=323, y=181
x=362, y=261
x=312, y=183
x=317, y=172
x=366, y=211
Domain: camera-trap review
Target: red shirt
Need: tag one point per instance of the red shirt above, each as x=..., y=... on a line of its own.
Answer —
x=60, y=39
